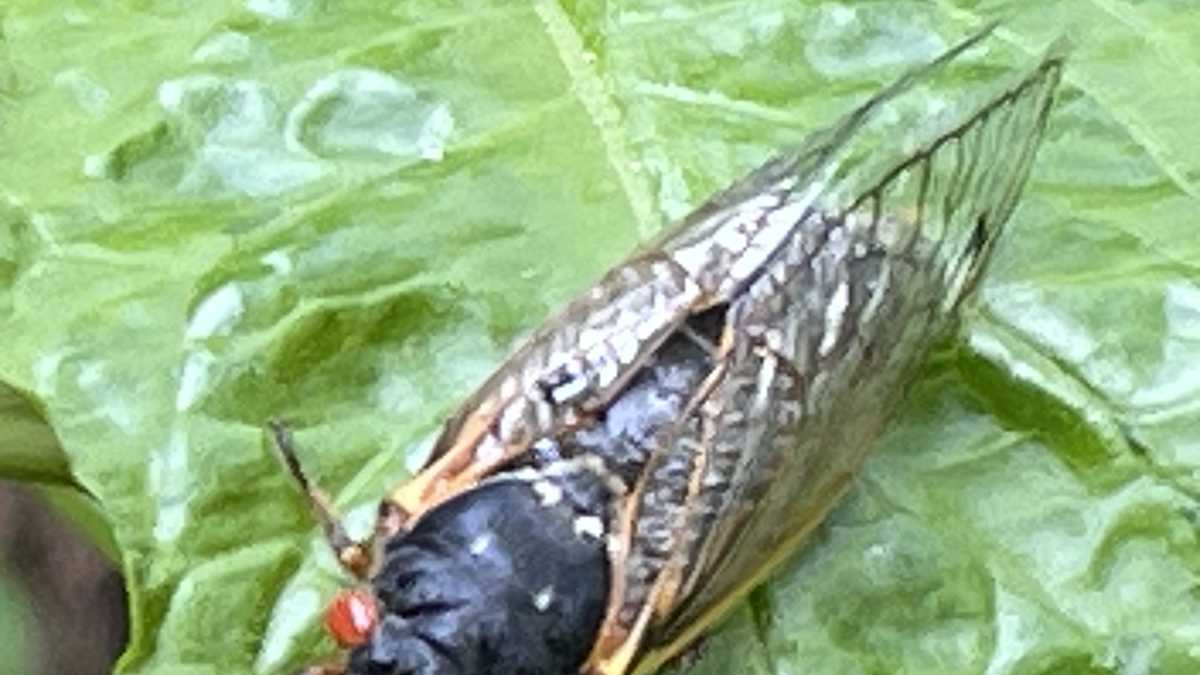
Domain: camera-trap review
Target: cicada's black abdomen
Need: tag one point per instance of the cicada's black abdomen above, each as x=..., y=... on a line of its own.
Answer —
x=510, y=578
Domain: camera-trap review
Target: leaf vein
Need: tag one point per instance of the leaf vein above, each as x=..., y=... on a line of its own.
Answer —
x=593, y=93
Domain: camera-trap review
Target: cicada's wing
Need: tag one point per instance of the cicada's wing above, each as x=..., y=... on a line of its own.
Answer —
x=582, y=358
x=728, y=240
x=826, y=331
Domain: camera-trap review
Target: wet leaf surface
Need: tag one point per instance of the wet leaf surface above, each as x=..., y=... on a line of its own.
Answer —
x=345, y=214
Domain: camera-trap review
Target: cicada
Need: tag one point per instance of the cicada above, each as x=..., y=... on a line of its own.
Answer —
x=655, y=449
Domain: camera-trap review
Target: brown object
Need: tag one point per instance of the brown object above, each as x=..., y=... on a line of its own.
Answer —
x=77, y=597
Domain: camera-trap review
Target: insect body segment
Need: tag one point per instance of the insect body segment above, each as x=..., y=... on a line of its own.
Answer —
x=663, y=443
x=500, y=580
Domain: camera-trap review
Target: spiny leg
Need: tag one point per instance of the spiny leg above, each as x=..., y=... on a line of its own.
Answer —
x=353, y=555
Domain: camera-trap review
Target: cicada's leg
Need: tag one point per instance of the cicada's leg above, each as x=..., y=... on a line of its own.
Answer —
x=354, y=556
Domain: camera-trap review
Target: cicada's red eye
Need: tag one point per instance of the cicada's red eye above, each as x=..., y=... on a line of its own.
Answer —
x=351, y=617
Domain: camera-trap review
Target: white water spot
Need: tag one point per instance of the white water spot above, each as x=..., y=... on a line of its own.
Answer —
x=363, y=111
x=877, y=552
x=216, y=313
x=839, y=16
x=109, y=405
x=481, y=543
x=431, y=142
x=169, y=484
x=242, y=149
x=95, y=166
x=845, y=43
x=740, y=37
x=589, y=526
x=543, y=598
x=767, y=24
x=279, y=10
x=395, y=393
x=1015, y=636
x=194, y=379
x=90, y=375
x=360, y=521
x=248, y=110
x=89, y=95
x=257, y=172
x=223, y=48
x=548, y=493
x=172, y=93
x=45, y=372
x=291, y=618
x=278, y=261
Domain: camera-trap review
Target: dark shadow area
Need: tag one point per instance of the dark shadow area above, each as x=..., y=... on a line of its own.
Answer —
x=76, y=596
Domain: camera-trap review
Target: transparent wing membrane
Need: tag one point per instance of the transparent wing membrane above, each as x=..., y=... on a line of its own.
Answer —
x=893, y=213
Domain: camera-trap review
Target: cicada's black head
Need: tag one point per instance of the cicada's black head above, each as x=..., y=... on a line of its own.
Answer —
x=510, y=578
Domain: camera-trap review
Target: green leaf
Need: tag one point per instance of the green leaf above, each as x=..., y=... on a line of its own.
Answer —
x=31, y=452
x=344, y=214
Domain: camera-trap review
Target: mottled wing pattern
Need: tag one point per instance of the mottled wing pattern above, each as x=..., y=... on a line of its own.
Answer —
x=581, y=358
x=728, y=241
x=829, y=327
x=559, y=379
